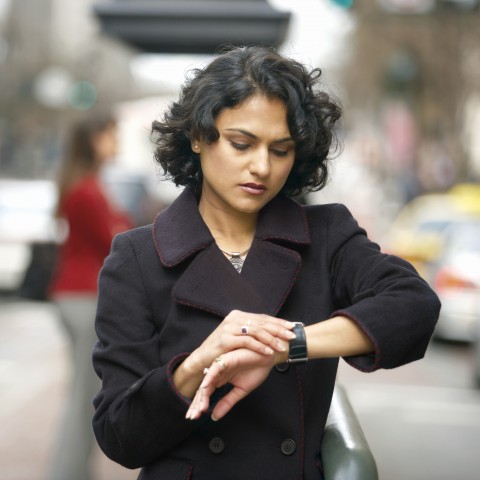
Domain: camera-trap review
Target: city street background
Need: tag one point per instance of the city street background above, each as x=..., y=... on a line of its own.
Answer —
x=408, y=75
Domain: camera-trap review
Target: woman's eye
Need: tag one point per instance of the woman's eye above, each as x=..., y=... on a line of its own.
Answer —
x=240, y=146
x=280, y=153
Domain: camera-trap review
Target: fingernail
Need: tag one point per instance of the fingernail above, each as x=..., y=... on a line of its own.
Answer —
x=290, y=334
x=214, y=418
x=281, y=347
x=268, y=350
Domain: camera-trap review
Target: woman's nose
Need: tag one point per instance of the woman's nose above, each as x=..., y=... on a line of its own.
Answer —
x=260, y=162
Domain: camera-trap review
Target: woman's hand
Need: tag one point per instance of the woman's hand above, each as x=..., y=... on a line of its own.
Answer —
x=258, y=333
x=243, y=369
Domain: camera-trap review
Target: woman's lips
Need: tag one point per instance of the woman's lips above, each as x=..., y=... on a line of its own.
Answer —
x=253, y=188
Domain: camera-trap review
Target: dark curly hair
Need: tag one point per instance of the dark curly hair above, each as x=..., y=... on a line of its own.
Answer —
x=231, y=78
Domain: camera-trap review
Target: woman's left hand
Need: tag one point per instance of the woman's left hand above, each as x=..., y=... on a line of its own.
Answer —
x=244, y=369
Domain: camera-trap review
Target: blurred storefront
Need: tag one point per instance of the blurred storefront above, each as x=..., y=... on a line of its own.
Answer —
x=414, y=80
x=408, y=76
x=54, y=68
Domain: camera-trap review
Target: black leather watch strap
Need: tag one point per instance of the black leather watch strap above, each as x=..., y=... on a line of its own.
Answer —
x=298, y=346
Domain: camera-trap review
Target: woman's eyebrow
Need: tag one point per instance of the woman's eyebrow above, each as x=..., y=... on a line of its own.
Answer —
x=252, y=135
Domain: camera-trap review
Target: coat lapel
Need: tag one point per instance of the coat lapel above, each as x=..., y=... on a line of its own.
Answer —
x=210, y=282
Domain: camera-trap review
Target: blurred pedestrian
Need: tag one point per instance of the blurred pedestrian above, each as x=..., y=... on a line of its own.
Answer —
x=220, y=327
x=92, y=222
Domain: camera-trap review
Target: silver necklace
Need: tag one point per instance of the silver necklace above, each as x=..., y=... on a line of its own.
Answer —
x=236, y=258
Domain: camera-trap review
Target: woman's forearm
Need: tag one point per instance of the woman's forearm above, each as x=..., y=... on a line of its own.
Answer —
x=337, y=337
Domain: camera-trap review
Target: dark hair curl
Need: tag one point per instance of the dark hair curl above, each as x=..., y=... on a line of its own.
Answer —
x=231, y=78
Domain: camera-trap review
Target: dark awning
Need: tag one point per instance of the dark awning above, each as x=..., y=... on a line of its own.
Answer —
x=192, y=26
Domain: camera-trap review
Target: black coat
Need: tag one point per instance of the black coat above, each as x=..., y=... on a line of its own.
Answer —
x=163, y=290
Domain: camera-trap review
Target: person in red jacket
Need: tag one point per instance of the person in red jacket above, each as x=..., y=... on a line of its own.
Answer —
x=93, y=220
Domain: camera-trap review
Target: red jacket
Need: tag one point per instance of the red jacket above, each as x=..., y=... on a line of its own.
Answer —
x=93, y=222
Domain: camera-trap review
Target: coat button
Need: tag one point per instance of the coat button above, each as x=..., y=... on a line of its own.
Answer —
x=288, y=447
x=216, y=445
x=282, y=367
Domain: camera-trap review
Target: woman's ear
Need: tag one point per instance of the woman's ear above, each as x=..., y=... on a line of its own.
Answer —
x=195, y=146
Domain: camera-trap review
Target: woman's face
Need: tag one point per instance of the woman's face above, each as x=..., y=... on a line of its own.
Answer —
x=250, y=162
x=105, y=144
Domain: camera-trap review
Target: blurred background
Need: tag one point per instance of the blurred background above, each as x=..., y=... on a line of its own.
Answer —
x=408, y=75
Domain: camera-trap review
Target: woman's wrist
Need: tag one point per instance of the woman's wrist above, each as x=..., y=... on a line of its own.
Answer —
x=188, y=376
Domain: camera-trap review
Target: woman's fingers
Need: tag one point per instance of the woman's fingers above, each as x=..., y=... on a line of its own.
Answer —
x=226, y=403
x=264, y=346
x=268, y=331
x=246, y=320
x=243, y=369
x=210, y=383
x=271, y=336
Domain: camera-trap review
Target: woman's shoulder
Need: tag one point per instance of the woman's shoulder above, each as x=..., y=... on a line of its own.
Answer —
x=132, y=245
x=332, y=223
x=328, y=215
x=86, y=187
x=139, y=238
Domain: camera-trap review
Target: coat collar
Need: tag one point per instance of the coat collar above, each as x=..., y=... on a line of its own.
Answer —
x=209, y=282
x=179, y=231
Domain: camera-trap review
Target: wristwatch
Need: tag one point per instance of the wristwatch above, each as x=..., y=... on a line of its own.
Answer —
x=298, y=345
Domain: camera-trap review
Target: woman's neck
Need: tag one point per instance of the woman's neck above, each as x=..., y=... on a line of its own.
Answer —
x=232, y=232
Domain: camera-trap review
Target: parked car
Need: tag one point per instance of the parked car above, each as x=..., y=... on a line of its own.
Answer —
x=417, y=234
x=26, y=219
x=455, y=276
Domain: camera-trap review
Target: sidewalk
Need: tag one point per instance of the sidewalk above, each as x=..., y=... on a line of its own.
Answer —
x=34, y=373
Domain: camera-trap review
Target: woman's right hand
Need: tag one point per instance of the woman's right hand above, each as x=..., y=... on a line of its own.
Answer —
x=259, y=333
x=243, y=369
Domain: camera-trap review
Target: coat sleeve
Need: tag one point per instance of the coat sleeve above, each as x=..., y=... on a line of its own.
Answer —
x=139, y=414
x=382, y=293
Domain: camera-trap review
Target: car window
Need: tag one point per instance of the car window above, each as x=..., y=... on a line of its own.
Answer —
x=432, y=226
x=464, y=237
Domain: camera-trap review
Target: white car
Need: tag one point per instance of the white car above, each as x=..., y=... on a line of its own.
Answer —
x=26, y=218
x=455, y=277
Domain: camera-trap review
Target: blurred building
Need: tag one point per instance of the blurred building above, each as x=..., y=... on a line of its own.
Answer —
x=54, y=67
x=409, y=77
x=413, y=86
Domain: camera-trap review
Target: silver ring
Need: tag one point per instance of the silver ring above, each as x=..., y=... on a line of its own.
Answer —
x=221, y=362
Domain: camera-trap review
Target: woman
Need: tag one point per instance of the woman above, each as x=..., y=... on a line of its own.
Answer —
x=92, y=223
x=197, y=313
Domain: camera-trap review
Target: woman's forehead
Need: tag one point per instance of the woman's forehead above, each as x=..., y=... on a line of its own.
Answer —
x=257, y=114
